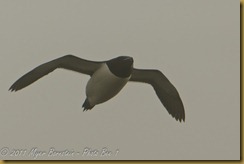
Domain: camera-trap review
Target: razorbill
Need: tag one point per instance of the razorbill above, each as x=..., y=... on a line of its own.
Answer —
x=107, y=79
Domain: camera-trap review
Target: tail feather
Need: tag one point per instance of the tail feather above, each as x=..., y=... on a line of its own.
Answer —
x=86, y=105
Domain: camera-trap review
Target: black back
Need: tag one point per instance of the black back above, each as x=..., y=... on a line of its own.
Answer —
x=121, y=66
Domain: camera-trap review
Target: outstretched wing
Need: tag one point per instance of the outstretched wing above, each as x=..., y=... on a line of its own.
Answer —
x=69, y=62
x=165, y=91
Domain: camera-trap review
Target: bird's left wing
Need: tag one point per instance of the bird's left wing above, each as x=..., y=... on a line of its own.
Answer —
x=69, y=62
x=165, y=91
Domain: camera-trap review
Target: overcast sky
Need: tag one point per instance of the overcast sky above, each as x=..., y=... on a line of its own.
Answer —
x=194, y=43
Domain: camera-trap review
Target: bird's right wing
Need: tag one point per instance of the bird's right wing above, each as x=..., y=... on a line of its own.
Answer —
x=69, y=62
x=166, y=92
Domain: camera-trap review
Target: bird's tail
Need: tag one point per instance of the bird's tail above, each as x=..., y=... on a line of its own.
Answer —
x=86, y=105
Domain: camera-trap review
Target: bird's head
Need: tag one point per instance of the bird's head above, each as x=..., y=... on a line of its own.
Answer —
x=121, y=66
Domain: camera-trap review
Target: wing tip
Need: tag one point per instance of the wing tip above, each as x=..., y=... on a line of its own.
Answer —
x=182, y=119
x=179, y=118
x=13, y=88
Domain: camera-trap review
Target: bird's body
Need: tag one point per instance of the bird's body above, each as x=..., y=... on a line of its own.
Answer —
x=103, y=85
x=108, y=78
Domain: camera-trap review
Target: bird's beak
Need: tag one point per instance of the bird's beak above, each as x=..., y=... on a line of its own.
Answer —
x=129, y=59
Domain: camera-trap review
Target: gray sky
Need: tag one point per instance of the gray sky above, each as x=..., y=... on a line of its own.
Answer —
x=194, y=43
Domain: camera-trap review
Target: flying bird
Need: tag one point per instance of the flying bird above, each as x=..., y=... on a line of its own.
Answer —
x=108, y=78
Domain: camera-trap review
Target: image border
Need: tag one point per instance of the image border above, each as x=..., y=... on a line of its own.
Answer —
x=164, y=161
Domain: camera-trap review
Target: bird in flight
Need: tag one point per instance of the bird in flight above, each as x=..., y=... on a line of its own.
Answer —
x=108, y=78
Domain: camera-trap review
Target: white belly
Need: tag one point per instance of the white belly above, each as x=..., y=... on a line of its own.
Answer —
x=103, y=85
